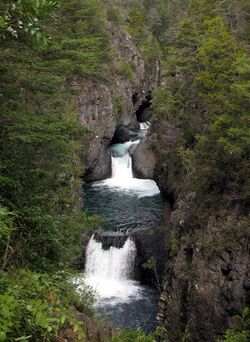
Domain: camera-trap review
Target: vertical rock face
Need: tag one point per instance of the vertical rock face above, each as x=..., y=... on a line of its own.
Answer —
x=102, y=107
x=207, y=277
x=144, y=160
x=207, y=272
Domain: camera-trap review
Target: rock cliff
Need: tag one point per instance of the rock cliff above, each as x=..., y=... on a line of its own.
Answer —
x=207, y=274
x=102, y=107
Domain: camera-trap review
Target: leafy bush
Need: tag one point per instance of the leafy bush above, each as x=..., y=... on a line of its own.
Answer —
x=35, y=306
x=241, y=331
x=134, y=336
x=18, y=17
x=118, y=104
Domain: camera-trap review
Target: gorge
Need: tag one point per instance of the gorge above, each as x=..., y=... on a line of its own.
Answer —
x=129, y=205
x=124, y=154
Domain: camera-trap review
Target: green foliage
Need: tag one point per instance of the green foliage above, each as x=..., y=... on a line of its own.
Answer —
x=118, y=104
x=6, y=231
x=82, y=38
x=174, y=246
x=133, y=336
x=232, y=336
x=125, y=70
x=23, y=16
x=113, y=14
x=41, y=217
x=35, y=306
x=41, y=139
x=150, y=264
x=206, y=95
x=140, y=336
x=142, y=30
x=138, y=23
x=242, y=332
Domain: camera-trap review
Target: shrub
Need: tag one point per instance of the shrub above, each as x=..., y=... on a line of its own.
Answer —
x=125, y=70
x=35, y=306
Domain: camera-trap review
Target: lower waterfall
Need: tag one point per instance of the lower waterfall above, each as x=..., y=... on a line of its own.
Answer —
x=110, y=272
x=127, y=204
x=114, y=263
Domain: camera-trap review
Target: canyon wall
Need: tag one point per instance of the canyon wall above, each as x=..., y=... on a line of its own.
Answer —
x=102, y=107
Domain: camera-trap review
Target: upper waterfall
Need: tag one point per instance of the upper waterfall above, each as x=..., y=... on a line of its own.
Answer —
x=122, y=168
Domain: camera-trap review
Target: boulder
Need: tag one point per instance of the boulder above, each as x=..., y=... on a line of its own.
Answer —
x=101, y=168
x=122, y=134
x=144, y=160
x=150, y=244
x=134, y=126
x=145, y=115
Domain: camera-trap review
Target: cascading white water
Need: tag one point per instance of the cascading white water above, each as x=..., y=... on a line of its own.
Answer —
x=122, y=174
x=114, y=263
x=109, y=272
x=144, y=125
x=122, y=167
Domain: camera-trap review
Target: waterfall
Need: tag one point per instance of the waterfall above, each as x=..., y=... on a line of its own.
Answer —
x=110, y=272
x=122, y=167
x=144, y=125
x=114, y=263
x=122, y=171
x=111, y=256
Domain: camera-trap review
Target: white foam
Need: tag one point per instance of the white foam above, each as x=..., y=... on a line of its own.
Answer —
x=144, y=125
x=134, y=186
x=122, y=168
x=109, y=272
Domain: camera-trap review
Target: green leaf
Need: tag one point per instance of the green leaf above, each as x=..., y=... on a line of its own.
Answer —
x=2, y=336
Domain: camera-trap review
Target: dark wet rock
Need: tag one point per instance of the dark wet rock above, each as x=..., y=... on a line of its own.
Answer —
x=151, y=250
x=146, y=114
x=144, y=111
x=206, y=285
x=134, y=126
x=111, y=239
x=100, y=168
x=122, y=134
x=144, y=161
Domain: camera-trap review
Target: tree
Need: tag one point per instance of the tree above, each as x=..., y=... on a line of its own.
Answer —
x=24, y=16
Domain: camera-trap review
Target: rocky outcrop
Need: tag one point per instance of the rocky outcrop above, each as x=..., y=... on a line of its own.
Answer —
x=151, y=255
x=102, y=107
x=146, y=114
x=123, y=134
x=207, y=271
x=144, y=160
x=206, y=279
x=101, y=168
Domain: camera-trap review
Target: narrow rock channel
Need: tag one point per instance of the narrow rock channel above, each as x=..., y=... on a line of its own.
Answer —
x=129, y=205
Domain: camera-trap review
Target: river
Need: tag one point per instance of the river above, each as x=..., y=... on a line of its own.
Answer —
x=126, y=203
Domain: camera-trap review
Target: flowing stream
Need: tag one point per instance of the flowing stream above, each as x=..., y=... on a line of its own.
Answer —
x=126, y=203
